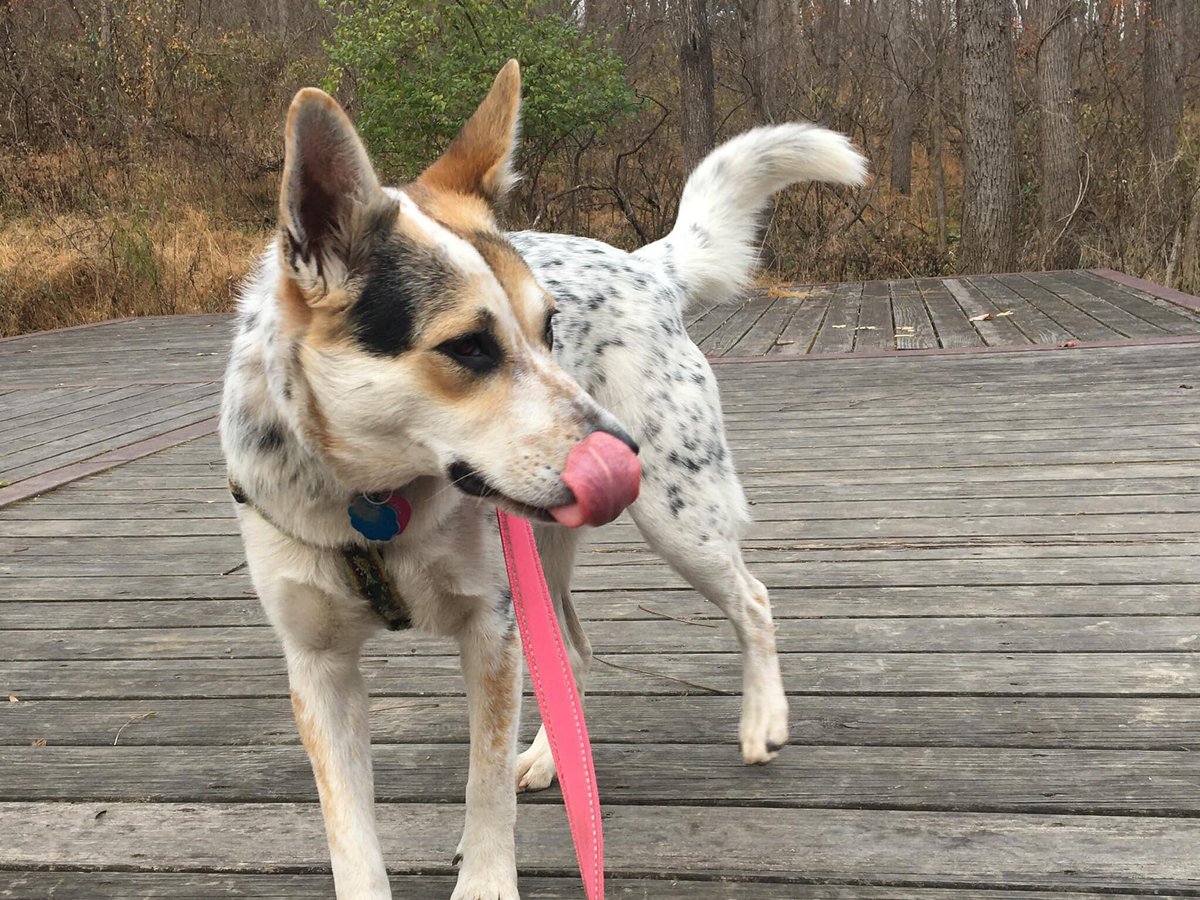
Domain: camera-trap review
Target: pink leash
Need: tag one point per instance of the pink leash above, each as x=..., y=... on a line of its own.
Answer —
x=557, y=697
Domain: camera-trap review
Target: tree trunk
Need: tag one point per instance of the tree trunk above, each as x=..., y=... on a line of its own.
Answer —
x=899, y=53
x=937, y=143
x=1161, y=66
x=282, y=19
x=990, y=138
x=696, y=83
x=1058, y=133
x=1160, y=69
x=766, y=29
x=830, y=78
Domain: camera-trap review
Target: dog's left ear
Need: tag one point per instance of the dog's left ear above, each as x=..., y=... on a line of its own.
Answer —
x=330, y=198
x=479, y=161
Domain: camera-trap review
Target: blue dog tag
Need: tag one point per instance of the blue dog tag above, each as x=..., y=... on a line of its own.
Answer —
x=374, y=521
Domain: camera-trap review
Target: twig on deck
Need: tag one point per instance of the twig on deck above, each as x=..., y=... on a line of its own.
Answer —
x=138, y=718
x=655, y=612
x=691, y=684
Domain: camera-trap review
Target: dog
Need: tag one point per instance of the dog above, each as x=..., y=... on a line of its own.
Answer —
x=400, y=359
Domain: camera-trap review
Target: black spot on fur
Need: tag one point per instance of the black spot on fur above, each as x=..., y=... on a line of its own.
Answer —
x=382, y=319
x=270, y=438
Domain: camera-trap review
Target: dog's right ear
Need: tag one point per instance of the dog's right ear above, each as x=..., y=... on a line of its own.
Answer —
x=330, y=201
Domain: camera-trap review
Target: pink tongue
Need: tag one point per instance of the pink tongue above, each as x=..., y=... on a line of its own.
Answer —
x=604, y=475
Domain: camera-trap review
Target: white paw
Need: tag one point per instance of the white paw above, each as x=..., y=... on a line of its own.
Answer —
x=486, y=885
x=764, y=728
x=535, y=767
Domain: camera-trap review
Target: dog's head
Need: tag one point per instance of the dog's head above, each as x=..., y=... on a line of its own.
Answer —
x=421, y=342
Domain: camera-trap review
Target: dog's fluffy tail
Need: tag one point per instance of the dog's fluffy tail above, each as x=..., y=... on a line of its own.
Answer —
x=710, y=252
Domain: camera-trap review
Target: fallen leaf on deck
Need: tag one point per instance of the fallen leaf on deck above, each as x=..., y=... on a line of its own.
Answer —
x=784, y=343
x=12, y=698
x=40, y=742
x=1007, y=312
x=986, y=317
x=1067, y=345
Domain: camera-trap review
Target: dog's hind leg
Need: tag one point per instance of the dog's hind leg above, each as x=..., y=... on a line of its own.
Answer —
x=691, y=511
x=557, y=546
x=703, y=548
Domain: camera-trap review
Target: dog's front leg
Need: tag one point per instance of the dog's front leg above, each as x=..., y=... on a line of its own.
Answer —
x=491, y=664
x=330, y=702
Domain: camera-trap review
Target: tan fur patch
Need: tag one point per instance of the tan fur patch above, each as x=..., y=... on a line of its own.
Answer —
x=498, y=711
x=332, y=805
x=461, y=213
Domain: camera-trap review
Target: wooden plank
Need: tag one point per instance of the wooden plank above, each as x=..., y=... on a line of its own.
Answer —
x=1014, y=634
x=1040, y=674
x=1188, y=302
x=974, y=849
x=117, y=432
x=1126, y=600
x=737, y=325
x=1170, y=318
x=953, y=328
x=914, y=330
x=1063, y=565
x=836, y=334
x=701, y=328
x=76, y=885
x=1033, y=323
x=874, y=329
x=1023, y=563
x=1024, y=722
x=1075, y=319
x=996, y=331
x=1102, y=309
x=1090, y=782
x=760, y=339
x=809, y=307
x=147, y=400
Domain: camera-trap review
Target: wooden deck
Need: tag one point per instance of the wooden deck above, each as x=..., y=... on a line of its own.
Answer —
x=1043, y=308
x=984, y=565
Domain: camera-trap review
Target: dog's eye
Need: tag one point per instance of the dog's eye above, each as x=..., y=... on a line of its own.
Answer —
x=477, y=352
x=548, y=335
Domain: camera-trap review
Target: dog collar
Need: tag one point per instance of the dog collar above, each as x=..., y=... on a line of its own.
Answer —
x=364, y=566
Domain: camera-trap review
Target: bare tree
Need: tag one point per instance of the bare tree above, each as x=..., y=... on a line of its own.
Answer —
x=696, y=82
x=766, y=30
x=899, y=53
x=1058, y=131
x=1160, y=66
x=990, y=138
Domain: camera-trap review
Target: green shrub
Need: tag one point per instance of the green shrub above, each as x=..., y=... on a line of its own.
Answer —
x=417, y=69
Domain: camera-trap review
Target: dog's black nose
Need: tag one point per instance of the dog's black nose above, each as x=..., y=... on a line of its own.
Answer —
x=621, y=436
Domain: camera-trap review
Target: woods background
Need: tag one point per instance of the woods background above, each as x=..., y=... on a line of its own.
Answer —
x=140, y=140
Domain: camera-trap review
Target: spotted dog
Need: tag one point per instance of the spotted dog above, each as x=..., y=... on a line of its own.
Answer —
x=401, y=365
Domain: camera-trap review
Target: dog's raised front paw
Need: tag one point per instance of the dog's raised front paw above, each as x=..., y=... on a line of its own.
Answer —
x=535, y=767
x=486, y=885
